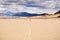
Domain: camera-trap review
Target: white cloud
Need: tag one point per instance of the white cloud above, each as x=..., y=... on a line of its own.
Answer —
x=2, y=10
x=19, y=8
x=15, y=8
x=50, y=4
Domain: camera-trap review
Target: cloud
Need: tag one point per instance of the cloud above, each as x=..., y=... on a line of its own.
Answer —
x=20, y=8
x=50, y=4
x=50, y=7
x=45, y=3
x=2, y=9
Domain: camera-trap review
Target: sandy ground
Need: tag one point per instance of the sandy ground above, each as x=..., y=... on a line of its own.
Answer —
x=30, y=29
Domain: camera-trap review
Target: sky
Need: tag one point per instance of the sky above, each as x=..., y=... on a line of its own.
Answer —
x=31, y=6
x=37, y=1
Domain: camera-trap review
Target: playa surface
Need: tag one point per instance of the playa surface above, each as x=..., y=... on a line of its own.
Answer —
x=30, y=29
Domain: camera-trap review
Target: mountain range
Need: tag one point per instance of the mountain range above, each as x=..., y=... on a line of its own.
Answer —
x=26, y=14
x=22, y=14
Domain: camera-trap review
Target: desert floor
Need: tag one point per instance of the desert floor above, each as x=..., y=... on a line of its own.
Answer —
x=30, y=29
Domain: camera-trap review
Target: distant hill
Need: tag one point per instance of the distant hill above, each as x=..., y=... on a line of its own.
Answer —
x=58, y=12
x=25, y=14
x=22, y=14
